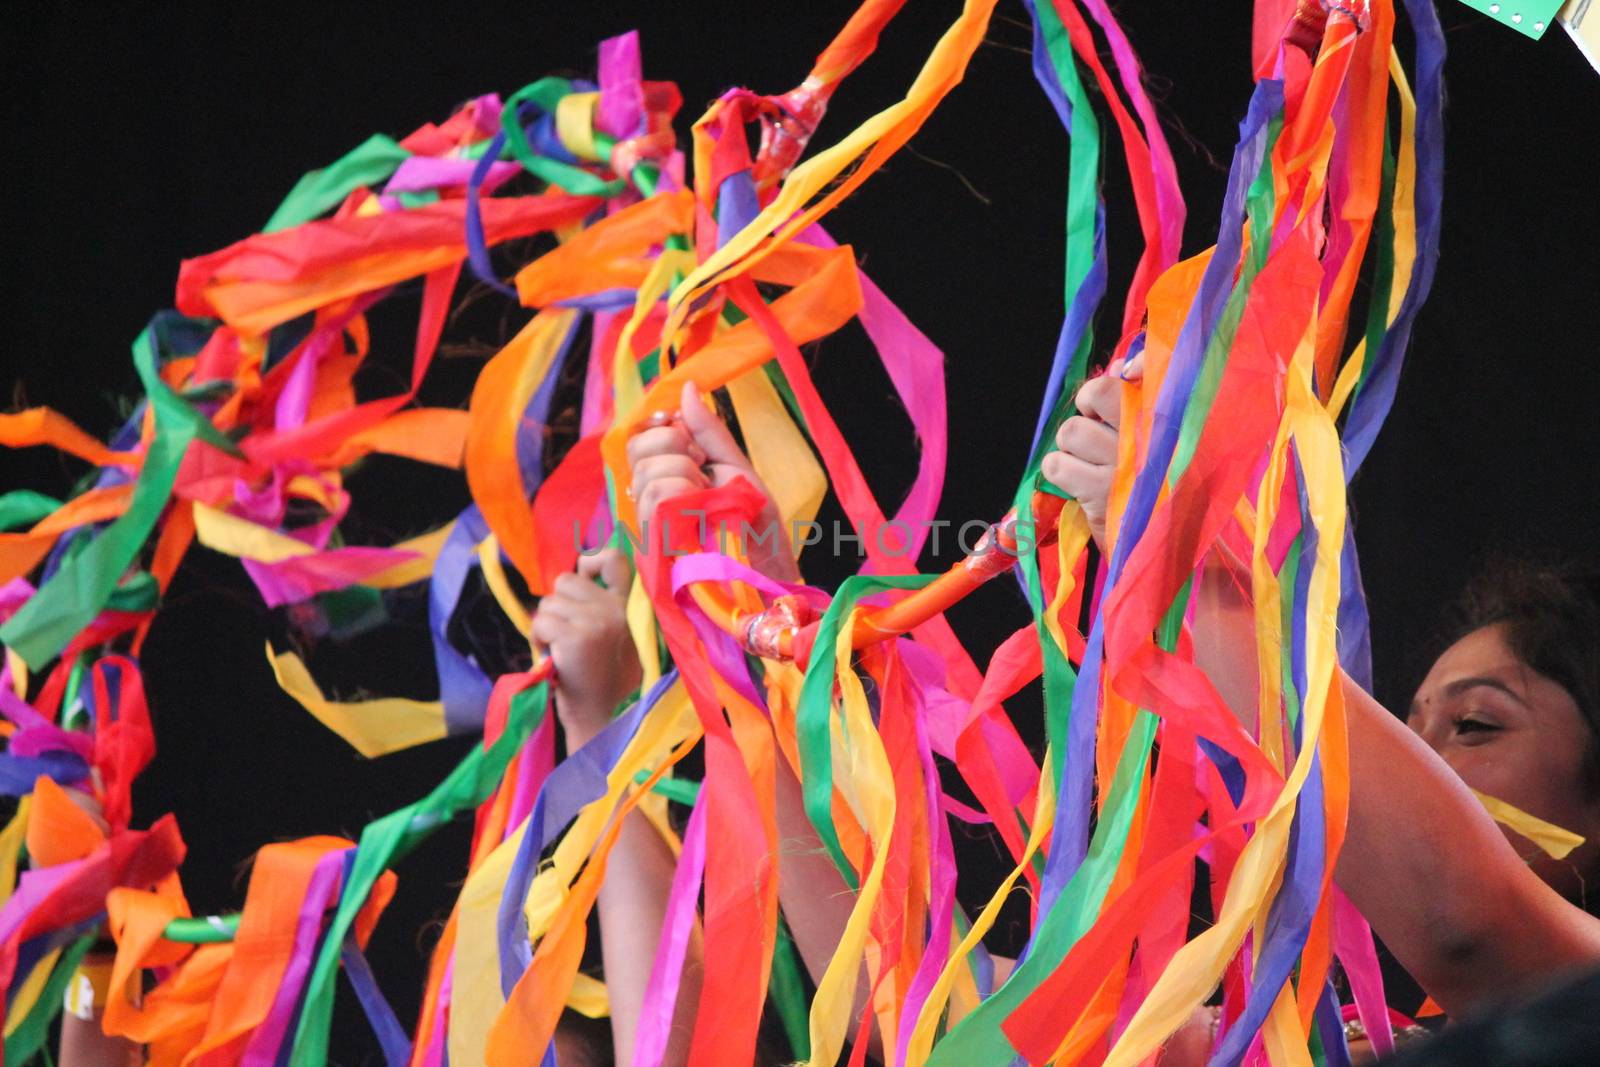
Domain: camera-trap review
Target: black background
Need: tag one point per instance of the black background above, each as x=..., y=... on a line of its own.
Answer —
x=138, y=135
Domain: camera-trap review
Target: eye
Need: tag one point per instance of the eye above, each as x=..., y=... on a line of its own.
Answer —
x=1468, y=724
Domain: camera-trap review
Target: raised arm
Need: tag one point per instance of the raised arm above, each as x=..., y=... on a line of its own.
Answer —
x=692, y=452
x=1422, y=859
x=1438, y=880
x=583, y=623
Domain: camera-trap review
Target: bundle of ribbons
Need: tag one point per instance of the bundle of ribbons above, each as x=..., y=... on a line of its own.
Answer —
x=1259, y=399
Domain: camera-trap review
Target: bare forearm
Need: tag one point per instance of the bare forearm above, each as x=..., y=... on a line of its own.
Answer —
x=85, y=1044
x=1437, y=879
x=632, y=906
x=815, y=899
x=1422, y=860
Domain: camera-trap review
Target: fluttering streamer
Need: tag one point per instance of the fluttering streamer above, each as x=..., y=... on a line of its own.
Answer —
x=1264, y=384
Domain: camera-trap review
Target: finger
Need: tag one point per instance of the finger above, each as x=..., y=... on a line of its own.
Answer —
x=1085, y=482
x=666, y=465
x=1091, y=441
x=1133, y=370
x=590, y=563
x=1061, y=433
x=559, y=600
x=608, y=567
x=1101, y=398
x=656, y=490
x=553, y=619
x=557, y=632
x=669, y=440
x=655, y=468
x=616, y=571
x=577, y=589
x=709, y=431
x=547, y=628
x=664, y=489
x=581, y=621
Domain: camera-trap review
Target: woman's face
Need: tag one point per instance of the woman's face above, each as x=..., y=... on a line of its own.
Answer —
x=1514, y=734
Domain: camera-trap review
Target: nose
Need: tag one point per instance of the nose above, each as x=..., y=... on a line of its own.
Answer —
x=1428, y=727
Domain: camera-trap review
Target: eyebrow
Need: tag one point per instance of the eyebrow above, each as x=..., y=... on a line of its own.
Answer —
x=1461, y=685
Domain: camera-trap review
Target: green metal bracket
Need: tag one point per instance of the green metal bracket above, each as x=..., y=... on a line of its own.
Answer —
x=1528, y=17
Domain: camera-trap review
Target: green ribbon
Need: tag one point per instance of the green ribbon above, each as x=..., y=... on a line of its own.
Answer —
x=1259, y=205
x=30, y=1036
x=322, y=190
x=978, y=1038
x=1382, y=273
x=545, y=94
x=24, y=507
x=206, y=930
x=789, y=994
x=386, y=841
x=69, y=699
x=84, y=584
x=1083, y=185
x=1287, y=579
x=814, y=714
x=678, y=790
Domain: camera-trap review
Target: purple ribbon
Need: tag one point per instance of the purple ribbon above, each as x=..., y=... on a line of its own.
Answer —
x=661, y=992
x=391, y=1035
x=578, y=780
x=267, y=1041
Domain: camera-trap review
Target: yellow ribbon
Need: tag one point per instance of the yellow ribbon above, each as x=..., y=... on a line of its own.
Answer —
x=1554, y=840
x=372, y=727
x=1197, y=967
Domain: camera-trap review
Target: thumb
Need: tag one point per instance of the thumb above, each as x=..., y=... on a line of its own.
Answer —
x=1133, y=370
x=615, y=571
x=709, y=431
x=591, y=564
